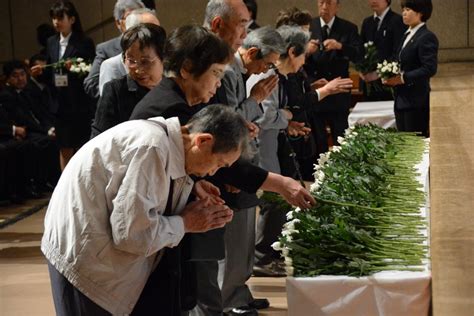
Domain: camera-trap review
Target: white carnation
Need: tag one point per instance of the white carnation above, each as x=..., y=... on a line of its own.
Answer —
x=277, y=246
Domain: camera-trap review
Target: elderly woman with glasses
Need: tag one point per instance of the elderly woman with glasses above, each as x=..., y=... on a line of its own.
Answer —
x=143, y=54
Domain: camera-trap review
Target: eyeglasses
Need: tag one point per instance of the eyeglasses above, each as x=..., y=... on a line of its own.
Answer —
x=143, y=63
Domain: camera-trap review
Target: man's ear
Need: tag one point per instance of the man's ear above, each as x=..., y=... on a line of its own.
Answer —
x=253, y=53
x=216, y=24
x=203, y=140
x=291, y=53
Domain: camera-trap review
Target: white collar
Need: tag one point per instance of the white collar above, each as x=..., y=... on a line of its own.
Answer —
x=415, y=29
x=330, y=24
x=382, y=16
x=176, y=166
x=64, y=40
x=239, y=62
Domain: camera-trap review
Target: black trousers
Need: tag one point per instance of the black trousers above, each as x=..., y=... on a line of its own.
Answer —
x=413, y=120
x=17, y=159
x=269, y=225
x=337, y=121
x=159, y=297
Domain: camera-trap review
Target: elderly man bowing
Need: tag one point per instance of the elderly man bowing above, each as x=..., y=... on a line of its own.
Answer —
x=120, y=208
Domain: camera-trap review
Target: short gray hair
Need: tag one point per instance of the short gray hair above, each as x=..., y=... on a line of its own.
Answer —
x=228, y=128
x=134, y=18
x=266, y=39
x=121, y=6
x=294, y=36
x=217, y=8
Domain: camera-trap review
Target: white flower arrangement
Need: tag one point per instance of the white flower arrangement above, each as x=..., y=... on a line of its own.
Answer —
x=388, y=69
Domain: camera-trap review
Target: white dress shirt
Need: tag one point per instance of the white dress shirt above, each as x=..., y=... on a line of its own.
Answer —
x=412, y=32
x=63, y=41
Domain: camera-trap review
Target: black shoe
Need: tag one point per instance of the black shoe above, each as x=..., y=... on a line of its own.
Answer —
x=273, y=269
x=259, y=303
x=243, y=310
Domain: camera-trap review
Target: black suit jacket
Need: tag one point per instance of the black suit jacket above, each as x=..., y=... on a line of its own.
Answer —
x=418, y=62
x=387, y=38
x=335, y=63
x=71, y=100
x=6, y=123
x=103, y=51
x=24, y=112
x=119, y=98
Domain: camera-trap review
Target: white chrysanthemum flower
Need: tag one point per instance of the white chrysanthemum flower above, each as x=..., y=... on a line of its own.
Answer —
x=336, y=148
x=290, y=226
x=340, y=139
x=321, y=176
x=79, y=59
x=289, y=215
x=385, y=63
x=290, y=271
x=285, y=251
x=297, y=210
x=315, y=187
x=288, y=261
x=370, y=43
x=366, y=45
x=277, y=246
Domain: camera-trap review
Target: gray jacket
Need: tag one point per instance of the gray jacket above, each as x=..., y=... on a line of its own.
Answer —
x=104, y=228
x=270, y=122
x=236, y=93
x=103, y=51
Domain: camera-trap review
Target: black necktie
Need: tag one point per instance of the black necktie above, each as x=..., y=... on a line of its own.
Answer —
x=376, y=25
x=325, y=32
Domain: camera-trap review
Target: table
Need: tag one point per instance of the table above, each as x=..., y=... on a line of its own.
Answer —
x=378, y=112
x=387, y=293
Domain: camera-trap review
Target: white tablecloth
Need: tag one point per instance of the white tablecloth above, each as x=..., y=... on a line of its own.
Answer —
x=387, y=293
x=378, y=112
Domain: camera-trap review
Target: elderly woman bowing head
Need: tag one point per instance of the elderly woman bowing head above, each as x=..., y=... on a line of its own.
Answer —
x=194, y=64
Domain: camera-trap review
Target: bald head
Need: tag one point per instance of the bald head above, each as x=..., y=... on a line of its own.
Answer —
x=228, y=19
x=141, y=16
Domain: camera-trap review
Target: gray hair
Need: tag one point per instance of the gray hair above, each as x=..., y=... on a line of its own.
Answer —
x=121, y=6
x=228, y=128
x=134, y=18
x=294, y=36
x=216, y=8
x=266, y=39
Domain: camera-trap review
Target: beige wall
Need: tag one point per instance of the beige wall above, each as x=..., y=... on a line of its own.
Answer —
x=452, y=21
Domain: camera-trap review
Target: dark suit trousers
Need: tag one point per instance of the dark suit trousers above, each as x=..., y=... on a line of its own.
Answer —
x=337, y=121
x=17, y=163
x=159, y=297
x=413, y=120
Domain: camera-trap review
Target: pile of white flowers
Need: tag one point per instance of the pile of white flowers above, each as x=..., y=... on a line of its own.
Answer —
x=387, y=69
x=289, y=227
x=80, y=67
